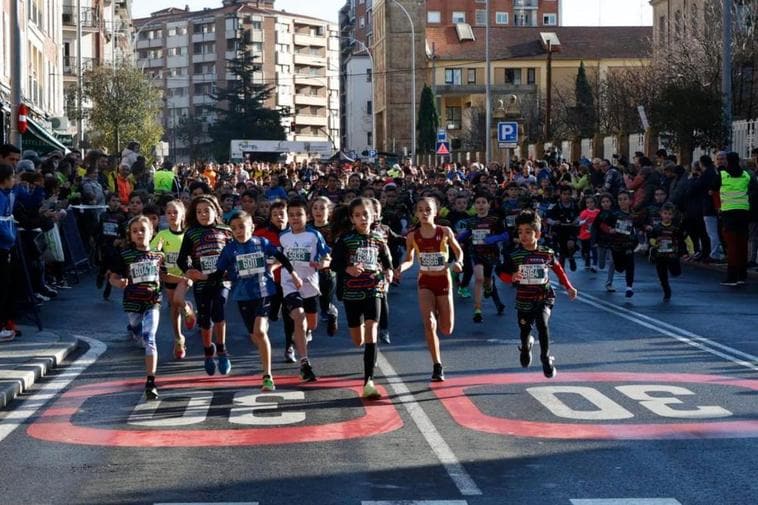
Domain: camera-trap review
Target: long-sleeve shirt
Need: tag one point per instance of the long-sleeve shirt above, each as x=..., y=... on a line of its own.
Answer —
x=371, y=252
x=534, y=289
x=248, y=269
x=7, y=226
x=201, y=248
x=143, y=269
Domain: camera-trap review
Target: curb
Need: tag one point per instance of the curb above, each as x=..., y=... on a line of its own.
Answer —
x=25, y=375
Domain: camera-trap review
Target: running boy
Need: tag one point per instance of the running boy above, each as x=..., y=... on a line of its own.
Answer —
x=666, y=248
x=528, y=266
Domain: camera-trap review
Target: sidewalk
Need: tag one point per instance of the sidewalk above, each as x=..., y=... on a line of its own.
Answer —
x=27, y=358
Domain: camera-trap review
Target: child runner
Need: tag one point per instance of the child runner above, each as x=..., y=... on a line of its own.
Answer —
x=108, y=237
x=620, y=226
x=528, y=267
x=308, y=252
x=169, y=242
x=138, y=271
x=563, y=218
x=666, y=247
x=389, y=237
x=458, y=217
x=589, y=249
x=202, y=244
x=435, y=295
x=603, y=238
x=363, y=263
x=244, y=259
x=321, y=209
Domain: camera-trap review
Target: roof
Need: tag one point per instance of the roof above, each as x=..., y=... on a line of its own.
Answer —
x=577, y=42
x=174, y=14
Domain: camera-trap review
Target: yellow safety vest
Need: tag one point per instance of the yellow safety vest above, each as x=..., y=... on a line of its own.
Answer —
x=164, y=181
x=734, y=191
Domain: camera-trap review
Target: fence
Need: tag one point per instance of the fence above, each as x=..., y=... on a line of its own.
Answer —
x=744, y=137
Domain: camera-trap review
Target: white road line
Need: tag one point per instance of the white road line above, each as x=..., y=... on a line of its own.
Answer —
x=210, y=503
x=455, y=470
x=30, y=406
x=416, y=502
x=687, y=337
x=627, y=501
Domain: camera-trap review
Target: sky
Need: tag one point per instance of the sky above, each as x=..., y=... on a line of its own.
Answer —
x=575, y=12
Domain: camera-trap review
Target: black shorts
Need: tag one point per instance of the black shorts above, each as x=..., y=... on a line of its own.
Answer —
x=487, y=263
x=170, y=285
x=358, y=311
x=250, y=310
x=296, y=301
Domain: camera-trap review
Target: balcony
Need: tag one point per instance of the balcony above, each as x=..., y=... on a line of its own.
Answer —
x=306, y=80
x=479, y=89
x=302, y=39
x=307, y=120
x=318, y=101
x=526, y=4
x=70, y=66
x=309, y=59
x=89, y=19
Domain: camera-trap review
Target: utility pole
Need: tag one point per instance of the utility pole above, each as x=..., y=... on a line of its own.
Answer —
x=15, y=73
x=487, y=87
x=80, y=77
x=549, y=98
x=412, y=150
x=726, y=70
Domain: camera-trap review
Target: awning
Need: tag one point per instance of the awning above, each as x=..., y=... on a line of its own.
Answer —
x=39, y=139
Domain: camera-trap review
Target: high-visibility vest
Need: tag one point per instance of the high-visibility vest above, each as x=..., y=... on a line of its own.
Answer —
x=734, y=191
x=164, y=181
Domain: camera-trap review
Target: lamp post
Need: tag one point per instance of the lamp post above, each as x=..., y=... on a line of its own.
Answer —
x=487, y=86
x=371, y=62
x=413, y=78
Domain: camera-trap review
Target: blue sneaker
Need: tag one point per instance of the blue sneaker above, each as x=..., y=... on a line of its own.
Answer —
x=224, y=364
x=210, y=363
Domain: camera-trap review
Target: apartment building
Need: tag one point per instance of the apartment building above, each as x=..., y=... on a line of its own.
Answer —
x=502, y=12
x=356, y=79
x=41, y=69
x=186, y=52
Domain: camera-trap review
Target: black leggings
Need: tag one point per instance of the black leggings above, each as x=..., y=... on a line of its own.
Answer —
x=624, y=262
x=666, y=266
x=327, y=283
x=277, y=301
x=540, y=317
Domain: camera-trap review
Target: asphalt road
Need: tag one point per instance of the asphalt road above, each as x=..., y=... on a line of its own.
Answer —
x=654, y=404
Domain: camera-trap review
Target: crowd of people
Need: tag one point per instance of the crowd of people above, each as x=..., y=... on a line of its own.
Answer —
x=290, y=241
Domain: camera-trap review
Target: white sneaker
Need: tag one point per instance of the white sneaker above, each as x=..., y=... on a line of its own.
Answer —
x=370, y=392
x=308, y=335
x=7, y=335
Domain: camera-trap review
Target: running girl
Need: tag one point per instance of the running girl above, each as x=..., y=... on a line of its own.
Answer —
x=435, y=295
x=138, y=271
x=201, y=247
x=620, y=227
x=362, y=260
x=589, y=249
x=169, y=242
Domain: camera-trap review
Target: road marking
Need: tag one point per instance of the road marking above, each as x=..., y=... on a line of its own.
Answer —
x=455, y=470
x=210, y=503
x=669, y=330
x=45, y=392
x=416, y=502
x=627, y=501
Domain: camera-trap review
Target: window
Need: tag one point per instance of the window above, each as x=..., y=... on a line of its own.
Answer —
x=434, y=17
x=362, y=22
x=369, y=138
x=453, y=118
x=257, y=25
x=481, y=17
x=550, y=19
x=471, y=76
x=369, y=107
x=368, y=75
x=522, y=19
x=531, y=75
x=453, y=76
x=501, y=18
x=513, y=76
x=459, y=17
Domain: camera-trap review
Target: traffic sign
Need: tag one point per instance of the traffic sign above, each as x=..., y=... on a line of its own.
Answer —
x=372, y=153
x=507, y=132
x=441, y=135
x=443, y=148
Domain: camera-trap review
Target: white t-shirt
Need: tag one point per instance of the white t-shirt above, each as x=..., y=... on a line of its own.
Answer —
x=302, y=249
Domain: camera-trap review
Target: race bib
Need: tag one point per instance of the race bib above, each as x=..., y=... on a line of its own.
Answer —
x=533, y=275
x=144, y=271
x=208, y=264
x=366, y=256
x=624, y=227
x=171, y=259
x=302, y=254
x=432, y=261
x=110, y=229
x=510, y=220
x=249, y=265
x=478, y=236
x=665, y=246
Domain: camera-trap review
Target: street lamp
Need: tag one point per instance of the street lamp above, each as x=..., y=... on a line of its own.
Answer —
x=551, y=44
x=487, y=87
x=413, y=78
x=371, y=62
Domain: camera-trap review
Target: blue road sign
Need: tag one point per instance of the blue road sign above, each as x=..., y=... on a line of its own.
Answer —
x=372, y=153
x=507, y=132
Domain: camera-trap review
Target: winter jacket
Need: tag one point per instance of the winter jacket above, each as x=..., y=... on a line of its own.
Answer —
x=7, y=226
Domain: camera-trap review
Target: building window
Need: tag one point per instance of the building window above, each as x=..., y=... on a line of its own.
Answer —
x=434, y=17
x=550, y=19
x=522, y=19
x=362, y=22
x=531, y=75
x=453, y=118
x=368, y=75
x=513, y=76
x=369, y=138
x=471, y=76
x=501, y=18
x=369, y=107
x=453, y=76
x=459, y=17
x=481, y=17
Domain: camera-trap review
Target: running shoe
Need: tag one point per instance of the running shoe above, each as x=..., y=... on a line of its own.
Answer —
x=331, y=325
x=289, y=355
x=11, y=325
x=629, y=292
x=609, y=287
x=526, y=353
x=306, y=372
x=210, y=363
x=464, y=292
x=384, y=336
x=268, y=384
x=666, y=294
x=572, y=264
x=370, y=392
x=478, y=316
x=190, y=319
x=438, y=375
x=6, y=335
x=548, y=367
x=224, y=363
x=151, y=392
x=500, y=309
x=180, y=349
x=487, y=290
x=308, y=335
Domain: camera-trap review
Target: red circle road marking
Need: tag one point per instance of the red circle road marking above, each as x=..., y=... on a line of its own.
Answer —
x=452, y=393
x=55, y=423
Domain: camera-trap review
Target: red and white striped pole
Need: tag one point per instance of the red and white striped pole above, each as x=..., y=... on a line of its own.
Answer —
x=22, y=122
